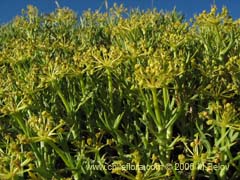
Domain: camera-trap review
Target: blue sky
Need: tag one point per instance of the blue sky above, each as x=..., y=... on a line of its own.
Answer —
x=10, y=8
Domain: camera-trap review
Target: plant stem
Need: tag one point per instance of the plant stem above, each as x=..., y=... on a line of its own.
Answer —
x=157, y=110
x=64, y=101
x=82, y=85
x=194, y=169
x=110, y=90
x=163, y=141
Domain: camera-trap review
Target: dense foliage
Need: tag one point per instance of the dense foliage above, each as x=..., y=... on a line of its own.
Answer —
x=116, y=88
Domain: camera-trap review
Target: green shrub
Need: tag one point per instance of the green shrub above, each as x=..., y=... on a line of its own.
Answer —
x=119, y=95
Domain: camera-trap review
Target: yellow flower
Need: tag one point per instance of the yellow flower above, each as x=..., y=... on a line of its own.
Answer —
x=181, y=158
x=154, y=157
x=89, y=141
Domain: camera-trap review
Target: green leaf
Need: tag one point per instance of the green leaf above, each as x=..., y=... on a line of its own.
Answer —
x=118, y=120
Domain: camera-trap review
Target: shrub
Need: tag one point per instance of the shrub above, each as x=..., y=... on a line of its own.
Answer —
x=119, y=95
